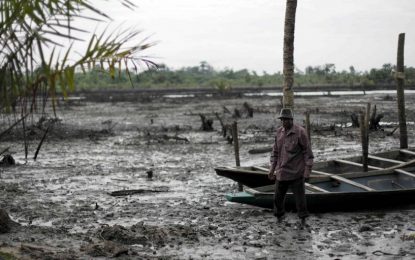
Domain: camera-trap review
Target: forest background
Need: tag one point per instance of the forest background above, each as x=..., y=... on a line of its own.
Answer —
x=205, y=75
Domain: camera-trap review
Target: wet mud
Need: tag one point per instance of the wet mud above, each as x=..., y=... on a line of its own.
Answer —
x=136, y=181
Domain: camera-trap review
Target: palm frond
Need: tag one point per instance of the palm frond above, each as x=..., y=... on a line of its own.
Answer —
x=28, y=29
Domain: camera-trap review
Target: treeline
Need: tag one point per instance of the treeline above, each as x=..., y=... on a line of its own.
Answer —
x=204, y=75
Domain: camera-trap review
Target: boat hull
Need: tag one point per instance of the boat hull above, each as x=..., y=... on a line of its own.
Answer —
x=338, y=185
x=324, y=202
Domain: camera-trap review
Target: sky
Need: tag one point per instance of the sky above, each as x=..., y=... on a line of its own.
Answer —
x=239, y=34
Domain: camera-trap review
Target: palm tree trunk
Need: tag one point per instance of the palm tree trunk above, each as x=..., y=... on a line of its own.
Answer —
x=400, y=82
x=288, y=69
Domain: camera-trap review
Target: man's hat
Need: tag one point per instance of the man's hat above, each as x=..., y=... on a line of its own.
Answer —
x=286, y=113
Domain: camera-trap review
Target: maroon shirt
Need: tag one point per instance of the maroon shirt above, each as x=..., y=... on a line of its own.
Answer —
x=291, y=156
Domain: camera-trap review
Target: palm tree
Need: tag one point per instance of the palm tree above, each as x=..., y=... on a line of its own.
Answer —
x=288, y=69
x=31, y=65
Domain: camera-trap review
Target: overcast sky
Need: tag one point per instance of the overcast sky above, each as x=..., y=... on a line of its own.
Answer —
x=249, y=34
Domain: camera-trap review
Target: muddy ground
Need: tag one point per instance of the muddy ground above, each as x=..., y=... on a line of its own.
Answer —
x=65, y=210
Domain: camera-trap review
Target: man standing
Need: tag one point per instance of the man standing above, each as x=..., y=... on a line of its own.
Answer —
x=291, y=163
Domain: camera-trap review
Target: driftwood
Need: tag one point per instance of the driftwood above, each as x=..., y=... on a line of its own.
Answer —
x=175, y=137
x=119, y=193
x=165, y=137
x=207, y=123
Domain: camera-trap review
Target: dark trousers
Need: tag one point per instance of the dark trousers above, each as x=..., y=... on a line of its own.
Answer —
x=298, y=189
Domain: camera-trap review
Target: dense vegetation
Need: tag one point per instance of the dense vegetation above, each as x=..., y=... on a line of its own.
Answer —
x=205, y=75
x=34, y=61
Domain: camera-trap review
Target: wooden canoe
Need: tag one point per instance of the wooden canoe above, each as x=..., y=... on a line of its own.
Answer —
x=354, y=191
x=339, y=185
x=257, y=176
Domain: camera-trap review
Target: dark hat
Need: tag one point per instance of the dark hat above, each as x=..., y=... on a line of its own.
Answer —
x=286, y=113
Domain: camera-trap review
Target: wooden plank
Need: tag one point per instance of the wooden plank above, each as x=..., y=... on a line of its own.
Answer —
x=407, y=151
x=357, y=164
x=385, y=159
x=242, y=170
x=260, y=168
x=315, y=188
x=344, y=180
x=405, y=172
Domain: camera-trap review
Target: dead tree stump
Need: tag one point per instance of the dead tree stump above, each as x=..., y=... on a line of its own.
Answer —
x=7, y=160
x=236, y=113
x=374, y=123
x=355, y=120
x=249, y=110
x=5, y=222
x=207, y=123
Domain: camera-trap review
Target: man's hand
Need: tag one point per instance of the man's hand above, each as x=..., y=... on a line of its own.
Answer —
x=307, y=172
x=271, y=175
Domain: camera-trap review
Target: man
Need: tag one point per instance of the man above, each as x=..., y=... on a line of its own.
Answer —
x=291, y=163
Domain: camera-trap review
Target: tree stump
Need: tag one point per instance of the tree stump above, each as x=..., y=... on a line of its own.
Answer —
x=7, y=160
x=207, y=123
x=374, y=123
x=355, y=120
x=5, y=222
x=249, y=110
x=236, y=113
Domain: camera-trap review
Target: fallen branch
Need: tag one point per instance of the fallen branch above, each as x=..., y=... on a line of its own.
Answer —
x=393, y=131
x=13, y=125
x=41, y=142
x=119, y=193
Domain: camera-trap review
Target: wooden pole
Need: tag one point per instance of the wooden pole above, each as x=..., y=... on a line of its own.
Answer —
x=400, y=81
x=367, y=119
x=236, y=148
x=307, y=125
x=365, y=150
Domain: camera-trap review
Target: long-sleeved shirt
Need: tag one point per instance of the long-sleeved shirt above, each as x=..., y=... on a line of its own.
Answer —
x=291, y=156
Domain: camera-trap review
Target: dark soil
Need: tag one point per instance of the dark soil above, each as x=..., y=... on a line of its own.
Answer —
x=65, y=206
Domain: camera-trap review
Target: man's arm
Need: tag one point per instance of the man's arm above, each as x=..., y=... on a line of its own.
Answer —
x=273, y=159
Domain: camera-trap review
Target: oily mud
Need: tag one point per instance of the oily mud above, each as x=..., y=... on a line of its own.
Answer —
x=73, y=201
